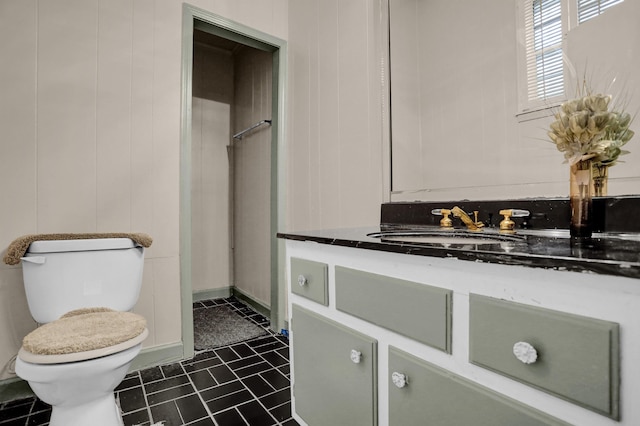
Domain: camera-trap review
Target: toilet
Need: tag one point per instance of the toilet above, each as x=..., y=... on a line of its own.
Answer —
x=80, y=291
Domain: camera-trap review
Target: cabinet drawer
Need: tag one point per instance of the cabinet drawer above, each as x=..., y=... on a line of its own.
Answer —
x=415, y=310
x=309, y=279
x=577, y=357
x=332, y=386
x=434, y=396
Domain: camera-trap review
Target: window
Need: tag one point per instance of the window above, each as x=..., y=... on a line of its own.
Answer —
x=588, y=9
x=544, y=23
x=543, y=32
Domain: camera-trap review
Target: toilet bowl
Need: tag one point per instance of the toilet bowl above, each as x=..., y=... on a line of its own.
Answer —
x=75, y=363
x=82, y=392
x=82, y=291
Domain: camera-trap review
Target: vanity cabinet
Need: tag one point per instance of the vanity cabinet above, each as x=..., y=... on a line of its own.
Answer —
x=336, y=371
x=447, y=328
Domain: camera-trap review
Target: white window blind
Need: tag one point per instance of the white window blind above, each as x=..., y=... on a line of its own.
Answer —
x=588, y=9
x=543, y=37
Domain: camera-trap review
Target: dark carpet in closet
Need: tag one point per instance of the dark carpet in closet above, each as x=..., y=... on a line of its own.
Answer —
x=217, y=326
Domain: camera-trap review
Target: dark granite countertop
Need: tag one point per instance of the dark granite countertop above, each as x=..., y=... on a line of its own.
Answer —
x=541, y=240
x=610, y=253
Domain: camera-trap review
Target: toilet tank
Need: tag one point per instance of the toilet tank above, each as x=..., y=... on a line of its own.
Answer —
x=63, y=275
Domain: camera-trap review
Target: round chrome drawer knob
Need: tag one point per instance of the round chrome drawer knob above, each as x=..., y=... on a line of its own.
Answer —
x=525, y=352
x=356, y=356
x=302, y=280
x=399, y=379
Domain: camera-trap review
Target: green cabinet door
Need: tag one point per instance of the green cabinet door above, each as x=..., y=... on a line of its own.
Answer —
x=422, y=394
x=334, y=372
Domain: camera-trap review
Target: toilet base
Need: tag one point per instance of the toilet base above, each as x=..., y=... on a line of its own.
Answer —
x=101, y=412
x=80, y=393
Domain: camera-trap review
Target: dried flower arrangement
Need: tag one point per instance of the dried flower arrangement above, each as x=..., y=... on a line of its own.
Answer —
x=585, y=129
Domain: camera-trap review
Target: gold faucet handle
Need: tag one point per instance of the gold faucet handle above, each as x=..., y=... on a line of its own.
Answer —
x=507, y=224
x=445, y=222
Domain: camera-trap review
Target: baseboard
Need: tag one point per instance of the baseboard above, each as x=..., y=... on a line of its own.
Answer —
x=218, y=293
x=251, y=301
x=158, y=355
x=13, y=389
x=215, y=293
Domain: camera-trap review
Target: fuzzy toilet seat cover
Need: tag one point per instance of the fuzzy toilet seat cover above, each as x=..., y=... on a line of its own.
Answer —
x=84, y=334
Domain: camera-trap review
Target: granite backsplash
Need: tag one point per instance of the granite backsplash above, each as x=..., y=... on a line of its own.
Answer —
x=610, y=214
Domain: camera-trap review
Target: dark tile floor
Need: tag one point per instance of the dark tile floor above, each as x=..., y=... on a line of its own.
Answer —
x=242, y=384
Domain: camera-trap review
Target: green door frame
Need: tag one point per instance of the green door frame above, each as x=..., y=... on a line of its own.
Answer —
x=195, y=18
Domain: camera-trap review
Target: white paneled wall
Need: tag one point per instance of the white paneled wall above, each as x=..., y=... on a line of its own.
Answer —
x=231, y=89
x=90, y=128
x=90, y=135
x=17, y=163
x=252, y=175
x=210, y=167
x=210, y=222
x=335, y=143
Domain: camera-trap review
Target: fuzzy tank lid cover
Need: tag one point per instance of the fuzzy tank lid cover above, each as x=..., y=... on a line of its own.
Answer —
x=20, y=245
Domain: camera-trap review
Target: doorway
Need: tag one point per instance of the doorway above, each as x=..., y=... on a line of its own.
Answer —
x=231, y=187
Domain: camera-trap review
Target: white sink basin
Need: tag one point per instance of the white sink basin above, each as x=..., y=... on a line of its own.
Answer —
x=446, y=237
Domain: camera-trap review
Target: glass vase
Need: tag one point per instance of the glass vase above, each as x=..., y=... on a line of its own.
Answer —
x=581, y=183
x=600, y=178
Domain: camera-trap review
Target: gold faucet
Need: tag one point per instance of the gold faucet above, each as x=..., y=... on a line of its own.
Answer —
x=472, y=224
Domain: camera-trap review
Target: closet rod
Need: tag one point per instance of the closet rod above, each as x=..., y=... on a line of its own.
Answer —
x=260, y=123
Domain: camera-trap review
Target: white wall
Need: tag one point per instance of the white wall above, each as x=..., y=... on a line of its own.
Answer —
x=252, y=175
x=231, y=179
x=90, y=128
x=336, y=161
x=210, y=224
x=210, y=187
